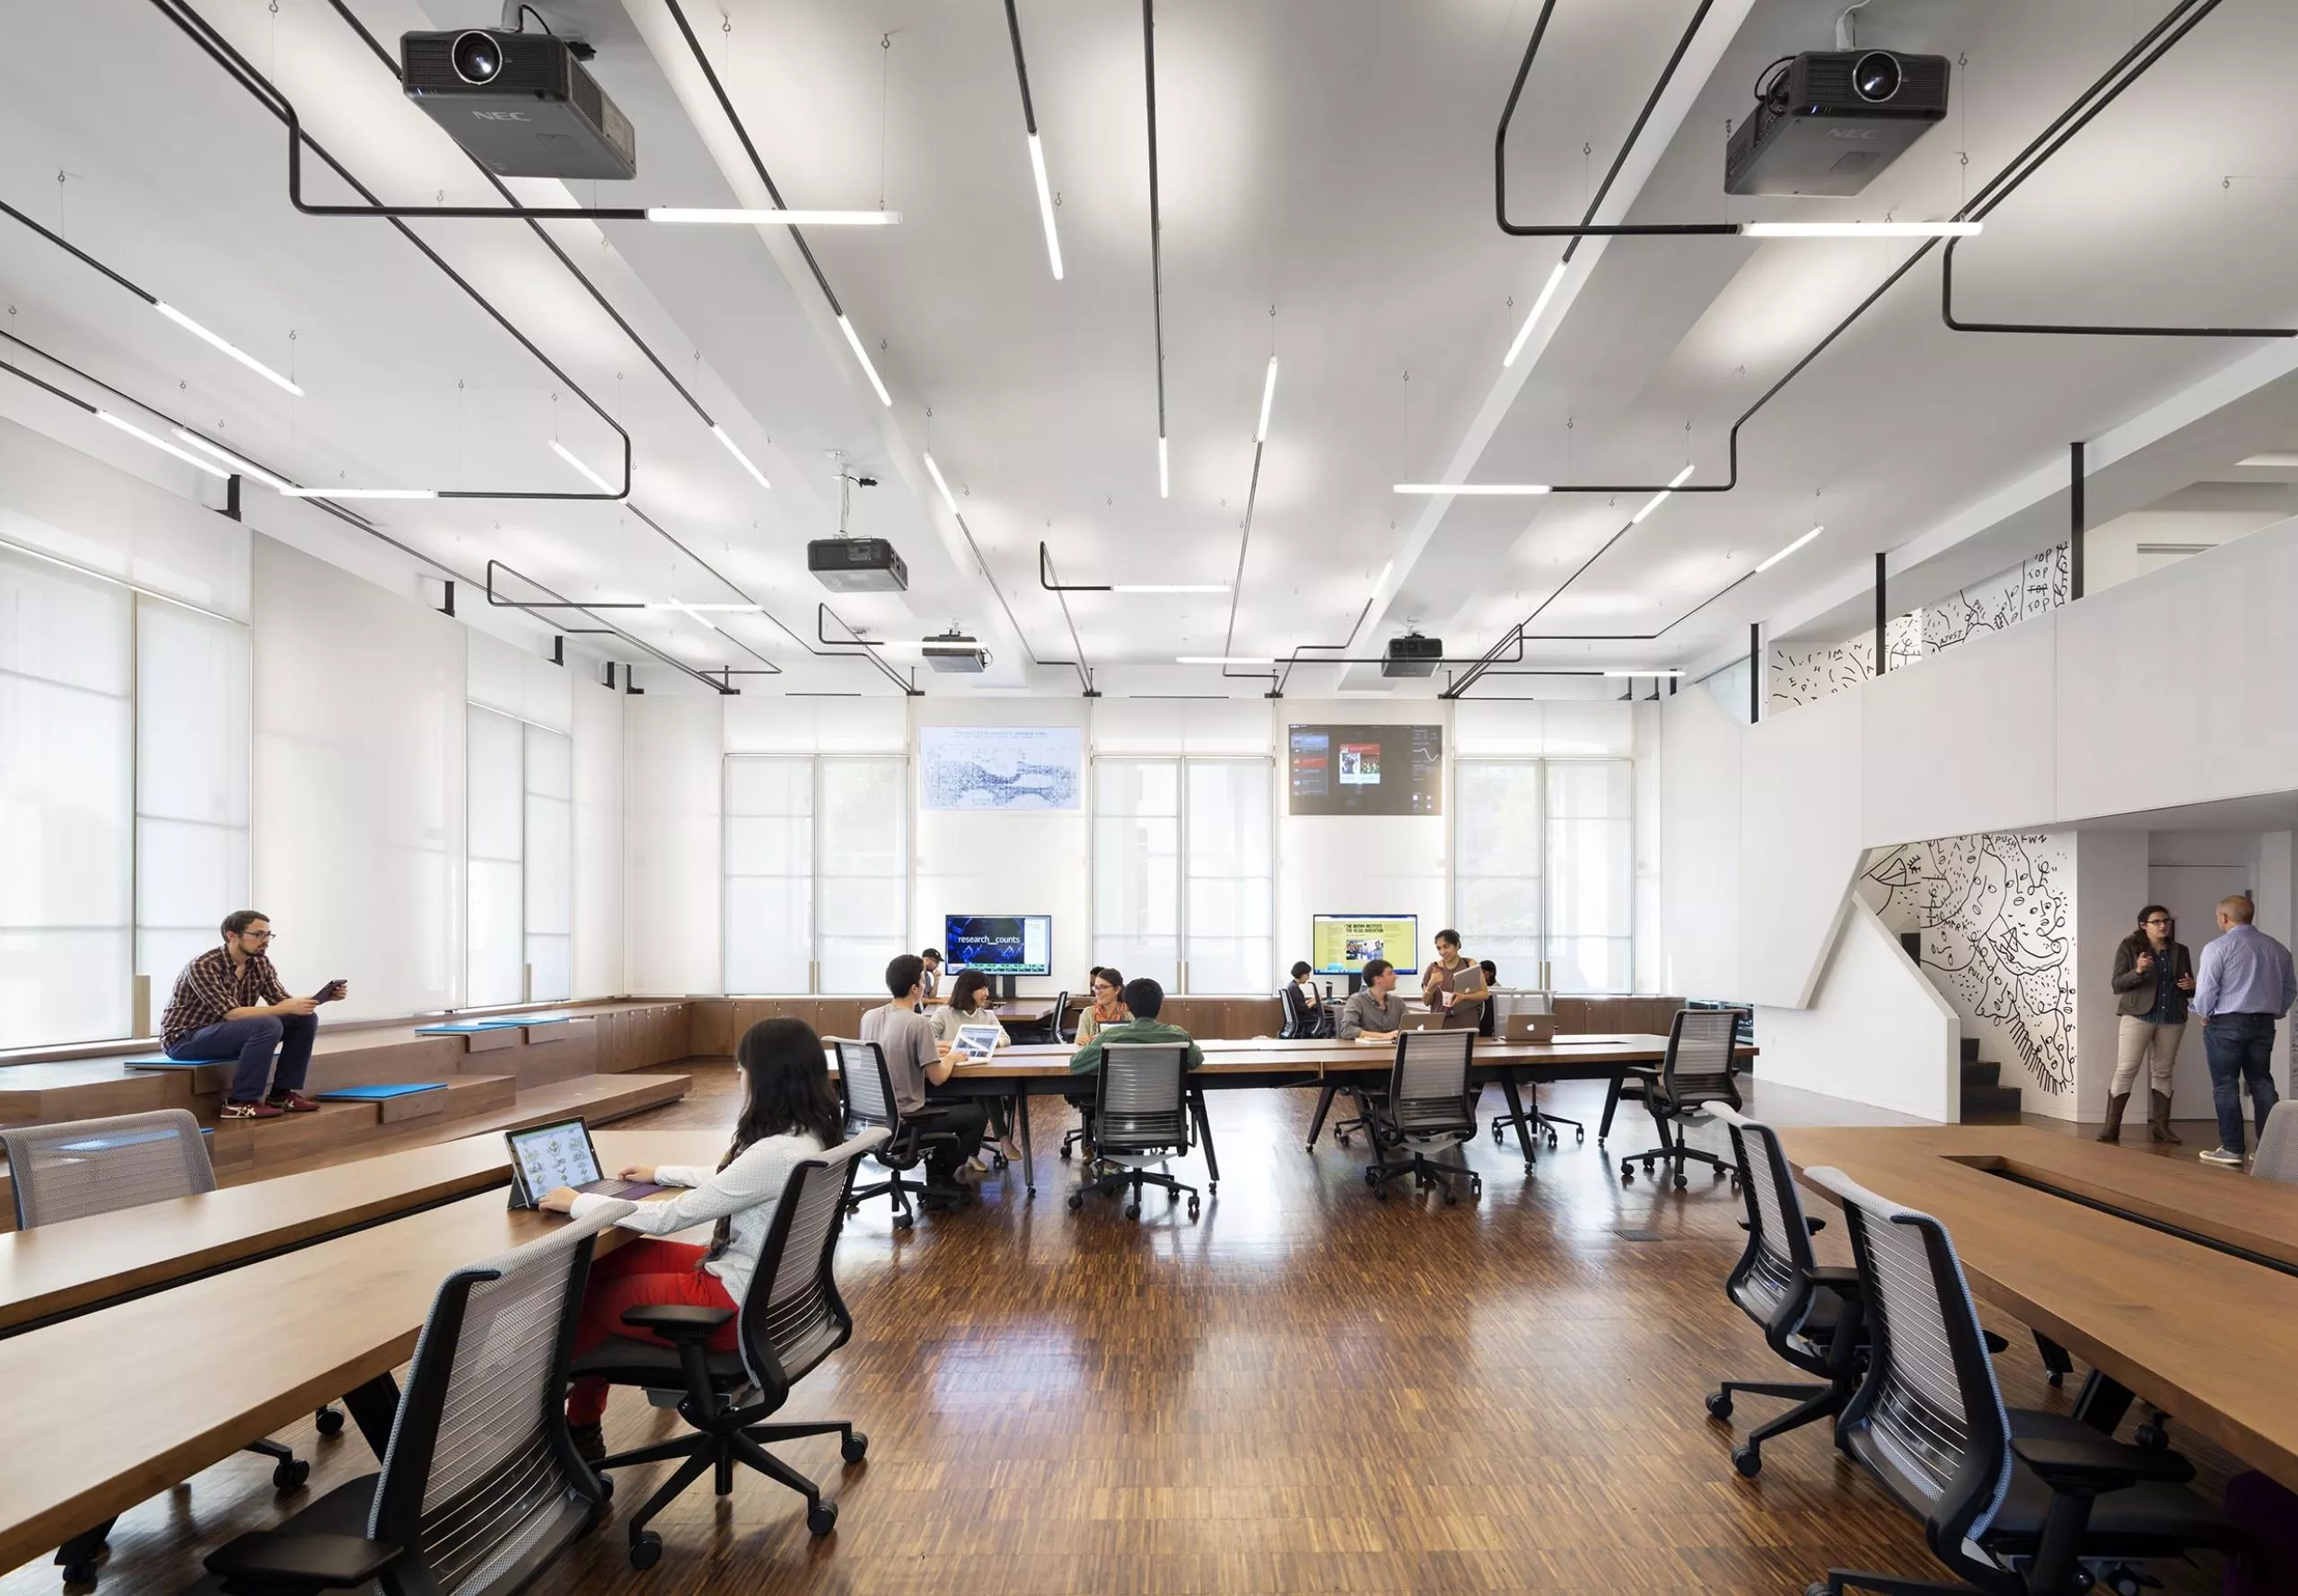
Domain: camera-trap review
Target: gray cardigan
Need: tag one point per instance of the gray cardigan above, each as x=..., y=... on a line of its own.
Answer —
x=2134, y=988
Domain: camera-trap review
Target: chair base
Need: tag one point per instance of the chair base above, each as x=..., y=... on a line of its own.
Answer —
x=1106, y=1180
x=1674, y=1152
x=1813, y=1403
x=1839, y=1580
x=899, y=1186
x=1537, y=1121
x=1425, y=1172
x=730, y=1436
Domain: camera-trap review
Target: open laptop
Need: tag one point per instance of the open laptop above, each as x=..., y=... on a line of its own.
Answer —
x=1529, y=1028
x=976, y=1043
x=546, y=1157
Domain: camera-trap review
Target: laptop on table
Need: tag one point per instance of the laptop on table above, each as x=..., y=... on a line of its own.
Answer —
x=1529, y=1028
x=546, y=1157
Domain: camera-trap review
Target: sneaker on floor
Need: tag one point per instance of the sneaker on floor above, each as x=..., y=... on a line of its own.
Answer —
x=293, y=1102
x=247, y=1111
x=590, y=1441
x=2221, y=1155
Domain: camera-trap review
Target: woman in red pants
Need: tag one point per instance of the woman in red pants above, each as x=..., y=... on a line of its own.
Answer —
x=790, y=1112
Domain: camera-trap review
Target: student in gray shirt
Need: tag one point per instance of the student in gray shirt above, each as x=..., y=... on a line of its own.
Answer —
x=1376, y=1012
x=916, y=1062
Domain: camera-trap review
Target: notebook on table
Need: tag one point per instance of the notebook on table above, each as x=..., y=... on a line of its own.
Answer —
x=546, y=1157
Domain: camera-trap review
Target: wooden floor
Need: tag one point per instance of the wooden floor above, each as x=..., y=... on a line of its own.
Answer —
x=1303, y=1391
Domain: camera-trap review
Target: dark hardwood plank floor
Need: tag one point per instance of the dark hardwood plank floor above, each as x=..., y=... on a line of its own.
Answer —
x=1303, y=1390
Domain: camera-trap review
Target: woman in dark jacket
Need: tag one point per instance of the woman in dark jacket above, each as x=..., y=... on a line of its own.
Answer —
x=2153, y=978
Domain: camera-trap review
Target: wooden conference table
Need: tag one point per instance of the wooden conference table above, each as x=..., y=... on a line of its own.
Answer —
x=111, y=1408
x=2174, y=1281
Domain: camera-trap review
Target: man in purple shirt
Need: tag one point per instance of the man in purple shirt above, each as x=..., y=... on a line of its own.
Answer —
x=2245, y=984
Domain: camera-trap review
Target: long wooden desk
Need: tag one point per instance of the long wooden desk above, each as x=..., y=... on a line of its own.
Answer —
x=70, y=1267
x=2202, y=1324
x=216, y=1363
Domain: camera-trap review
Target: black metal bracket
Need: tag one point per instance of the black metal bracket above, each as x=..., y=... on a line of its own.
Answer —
x=560, y=602
x=822, y=612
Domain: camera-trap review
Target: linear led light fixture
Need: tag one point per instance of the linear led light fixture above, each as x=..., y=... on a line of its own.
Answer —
x=854, y=341
x=1169, y=587
x=1861, y=229
x=1037, y=147
x=1659, y=499
x=735, y=449
x=1548, y=292
x=1267, y=398
x=1610, y=671
x=1224, y=659
x=359, y=493
x=934, y=471
x=1792, y=548
x=225, y=345
x=1164, y=472
x=2270, y=461
x=731, y=216
x=244, y=467
x=696, y=609
x=185, y=455
x=1473, y=489
x=571, y=459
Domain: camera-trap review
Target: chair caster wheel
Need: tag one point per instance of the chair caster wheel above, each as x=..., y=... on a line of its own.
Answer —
x=1076, y=1201
x=854, y=1447
x=1379, y=1193
x=1192, y=1207
x=2058, y=1379
x=822, y=1518
x=1682, y=1180
x=1133, y=1210
x=903, y=1221
x=1372, y=1179
x=1582, y=1135
x=1647, y=1165
x=1034, y=1191
x=1715, y=1174
x=1746, y=1460
x=290, y=1474
x=329, y=1421
x=646, y=1550
x=606, y=1486
x=1496, y=1133
x=1551, y=1141
x=1475, y=1186
x=2150, y=1436
x=1818, y=1588
x=1065, y=1152
x=1628, y=1176
x=1719, y=1405
x=1341, y=1136
x=1451, y=1197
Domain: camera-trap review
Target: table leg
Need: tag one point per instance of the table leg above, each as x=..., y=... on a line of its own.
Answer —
x=1028, y=1153
x=1324, y=1106
x=374, y=1409
x=1204, y=1139
x=1611, y=1103
x=2055, y=1358
x=1524, y=1136
x=2102, y=1402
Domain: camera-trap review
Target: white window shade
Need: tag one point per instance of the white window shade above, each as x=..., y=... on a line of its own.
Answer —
x=495, y=822
x=1184, y=872
x=817, y=871
x=66, y=805
x=1231, y=941
x=769, y=875
x=1592, y=875
x=861, y=871
x=191, y=785
x=1498, y=866
x=548, y=860
x=1136, y=868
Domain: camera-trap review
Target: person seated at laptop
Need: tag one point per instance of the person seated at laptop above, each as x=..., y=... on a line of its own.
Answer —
x=790, y=1112
x=1143, y=999
x=1444, y=973
x=1108, y=1007
x=1374, y=1012
x=916, y=1062
x=969, y=1004
x=229, y=1004
x=1305, y=1011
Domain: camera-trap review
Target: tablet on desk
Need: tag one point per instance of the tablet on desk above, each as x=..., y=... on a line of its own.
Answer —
x=976, y=1044
x=546, y=1157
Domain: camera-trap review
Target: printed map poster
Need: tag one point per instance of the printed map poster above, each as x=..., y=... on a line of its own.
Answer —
x=1015, y=768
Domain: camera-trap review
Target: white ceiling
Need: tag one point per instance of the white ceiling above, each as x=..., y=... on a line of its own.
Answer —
x=1329, y=159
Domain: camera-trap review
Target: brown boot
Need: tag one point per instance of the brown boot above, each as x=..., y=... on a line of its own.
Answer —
x=2158, y=1122
x=2111, y=1131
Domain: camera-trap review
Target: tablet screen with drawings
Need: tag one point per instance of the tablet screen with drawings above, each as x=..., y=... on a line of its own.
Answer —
x=976, y=1043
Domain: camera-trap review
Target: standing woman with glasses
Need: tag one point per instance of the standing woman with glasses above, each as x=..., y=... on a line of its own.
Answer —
x=2153, y=978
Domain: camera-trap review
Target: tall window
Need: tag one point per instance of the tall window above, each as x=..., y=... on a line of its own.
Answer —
x=816, y=872
x=1184, y=876
x=192, y=694
x=519, y=839
x=1544, y=866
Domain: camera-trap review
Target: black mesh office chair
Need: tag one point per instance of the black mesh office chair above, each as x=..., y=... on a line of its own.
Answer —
x=1810, y=1315
x=790, y=1319
x=1701, y=1065
x=1304, y=1015
x=1425, y=1110
x=2015, y=1504
x=1141, y=1117
x=867, y=1091
x=80, y=1167
x=481, y=1488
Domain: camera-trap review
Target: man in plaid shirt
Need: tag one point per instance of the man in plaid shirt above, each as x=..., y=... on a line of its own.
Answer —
x=228, y=1004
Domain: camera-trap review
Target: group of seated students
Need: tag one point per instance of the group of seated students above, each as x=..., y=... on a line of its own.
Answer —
x=1375, y=1012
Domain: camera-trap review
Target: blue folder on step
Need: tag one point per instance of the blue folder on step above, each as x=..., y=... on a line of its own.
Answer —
x=378, y=1094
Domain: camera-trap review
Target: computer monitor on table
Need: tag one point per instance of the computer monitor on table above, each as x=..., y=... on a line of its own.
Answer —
x=1341, y=945
x=1000, y=946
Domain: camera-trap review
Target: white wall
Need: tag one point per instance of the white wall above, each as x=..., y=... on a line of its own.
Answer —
x=1800, y=846
x=674, y=763
x=599, y=838
x=356, y=818
x=1699, y=928
x=1876, y=1030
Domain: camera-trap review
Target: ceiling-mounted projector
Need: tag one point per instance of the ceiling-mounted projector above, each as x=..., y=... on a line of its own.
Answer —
x=521, y=103
x=857, y=566
x=1829, y=120
x=953, y=654
x=1412, y=654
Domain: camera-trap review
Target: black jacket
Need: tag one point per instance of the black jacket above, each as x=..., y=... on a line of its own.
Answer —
x=2133, y=987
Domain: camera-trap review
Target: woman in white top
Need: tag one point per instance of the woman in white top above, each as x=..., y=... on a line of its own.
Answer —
x=969, y=1004
x=790, y=1112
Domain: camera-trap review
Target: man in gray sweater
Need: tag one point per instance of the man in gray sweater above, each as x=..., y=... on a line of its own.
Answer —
x=1375, y=1012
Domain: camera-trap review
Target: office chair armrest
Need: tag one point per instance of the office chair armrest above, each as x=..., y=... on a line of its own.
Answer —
x=2094, y=1467
x=282, y=1563
x=677, y=1321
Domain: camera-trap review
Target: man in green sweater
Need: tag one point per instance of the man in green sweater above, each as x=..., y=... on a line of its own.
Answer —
x=1142, y=998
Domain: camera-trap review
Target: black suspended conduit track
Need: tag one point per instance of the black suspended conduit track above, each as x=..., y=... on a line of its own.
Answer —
x=2128, y=69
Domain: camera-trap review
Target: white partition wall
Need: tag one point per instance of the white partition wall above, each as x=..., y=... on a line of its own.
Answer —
x=599, y=840
x=674, y=754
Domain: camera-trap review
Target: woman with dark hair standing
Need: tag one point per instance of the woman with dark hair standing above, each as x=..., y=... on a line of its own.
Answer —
x=790, y=1112
x=2154, y=979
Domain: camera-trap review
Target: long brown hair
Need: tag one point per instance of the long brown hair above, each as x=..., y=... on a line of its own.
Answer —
x=786, y=1093
x=961, y=995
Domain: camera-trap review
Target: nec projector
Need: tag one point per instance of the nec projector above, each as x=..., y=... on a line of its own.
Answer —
x=1412, y=654
x=953, y=654
x=520, y=103
x=1832, y=120
x=857, y=566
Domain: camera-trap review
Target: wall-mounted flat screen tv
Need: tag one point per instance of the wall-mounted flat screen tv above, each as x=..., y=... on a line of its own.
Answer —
x=1339, y=944
x=999, y=944
x=1365, y=770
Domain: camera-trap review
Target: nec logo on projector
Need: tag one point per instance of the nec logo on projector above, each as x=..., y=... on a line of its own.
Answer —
x=1832, y=131
x=501, y=115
